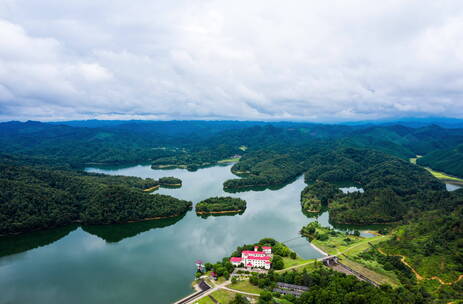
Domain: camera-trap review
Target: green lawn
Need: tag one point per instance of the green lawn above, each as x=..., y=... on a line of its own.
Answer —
x=289, y=262
x=337, y=245
x=205, y=300
x=282, y=301
x=223, y=296
x=245, y=286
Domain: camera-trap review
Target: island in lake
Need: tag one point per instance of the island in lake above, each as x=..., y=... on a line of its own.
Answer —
x=217, y=205
x=170, y=181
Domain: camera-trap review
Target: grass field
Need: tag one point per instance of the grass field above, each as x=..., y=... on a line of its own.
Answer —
x=222, y=296
x=437, y=174
x=348, y=252
x=282, y=301
x=290, y=262
x=205, y=300
x=245, y=286
x=336, y=244
x=443, y=176
x=229, y=160
x=373, y=270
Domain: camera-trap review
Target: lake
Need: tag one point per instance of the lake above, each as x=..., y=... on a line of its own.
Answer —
x=146, y=262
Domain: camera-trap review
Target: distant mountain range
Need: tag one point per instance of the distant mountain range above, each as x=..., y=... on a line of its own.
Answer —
x=412, y=122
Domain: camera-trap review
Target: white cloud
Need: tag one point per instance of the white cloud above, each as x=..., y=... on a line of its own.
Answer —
x=302, y=60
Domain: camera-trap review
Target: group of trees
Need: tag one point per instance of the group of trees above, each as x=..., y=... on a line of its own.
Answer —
x=170, y=181
x=391, y=186
x=318, y=194
x=267, y=168
x=448, y=160
x=433, y=240
x=219, y=204
x=33, y=198
x=327, y=286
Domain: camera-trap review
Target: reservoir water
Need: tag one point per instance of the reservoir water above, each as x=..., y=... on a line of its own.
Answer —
x=146, y=262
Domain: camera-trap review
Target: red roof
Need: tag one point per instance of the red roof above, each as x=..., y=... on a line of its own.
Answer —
x=235, y=259
x=265, y=247
x=249, y=264
x=268, y=262
x=265, y=258
x=252, y=252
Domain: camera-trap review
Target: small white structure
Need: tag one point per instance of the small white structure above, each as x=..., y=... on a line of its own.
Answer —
x=256, y=258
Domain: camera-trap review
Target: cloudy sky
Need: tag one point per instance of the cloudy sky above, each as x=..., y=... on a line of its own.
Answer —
x=261, y=60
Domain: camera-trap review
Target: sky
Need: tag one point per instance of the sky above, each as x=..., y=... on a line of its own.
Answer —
x=321, y=61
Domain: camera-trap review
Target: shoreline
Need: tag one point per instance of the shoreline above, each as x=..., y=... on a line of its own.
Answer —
x=219, y=212
x=146, y=219
x=318, y=249
x=150, y=189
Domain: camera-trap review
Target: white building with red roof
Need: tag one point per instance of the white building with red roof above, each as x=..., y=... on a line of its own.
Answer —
x=256, y=258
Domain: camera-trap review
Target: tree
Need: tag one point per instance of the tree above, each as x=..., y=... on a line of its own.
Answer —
x=277, y=262
x=293, y=255
x=265, y=297
x=239, y=299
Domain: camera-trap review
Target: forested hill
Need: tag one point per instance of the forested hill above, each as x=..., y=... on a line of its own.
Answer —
x=448, y=160
x=198, y=143
x=33, y=198
x=270, y=155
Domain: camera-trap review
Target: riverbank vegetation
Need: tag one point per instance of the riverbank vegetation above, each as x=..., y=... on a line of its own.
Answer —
x=317, y=195
x=220, y=205
x=170, y=181
x=34, y=198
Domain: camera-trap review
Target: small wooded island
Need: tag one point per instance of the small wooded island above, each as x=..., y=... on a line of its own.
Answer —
x=221, y=205
x=170, y=181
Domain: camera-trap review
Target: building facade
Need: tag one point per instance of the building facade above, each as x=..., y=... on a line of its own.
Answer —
x=256, y=258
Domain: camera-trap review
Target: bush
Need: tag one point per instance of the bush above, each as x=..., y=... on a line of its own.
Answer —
x=277, y=262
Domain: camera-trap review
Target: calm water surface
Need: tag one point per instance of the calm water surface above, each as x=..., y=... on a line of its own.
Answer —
x=148, y=262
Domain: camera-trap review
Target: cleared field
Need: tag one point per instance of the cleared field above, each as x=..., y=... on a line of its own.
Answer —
x=437, y=174
x=205, y=300
x=245, y=286
x=337, y=244
x=229, y=160
x=223, y=296
x=290, y=262
x=443, y=176
x=373, y=271
x=348, y=247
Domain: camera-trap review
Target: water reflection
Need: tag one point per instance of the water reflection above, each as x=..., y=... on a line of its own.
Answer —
x=150, y=262
x=16, y=244
x=117, y=232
